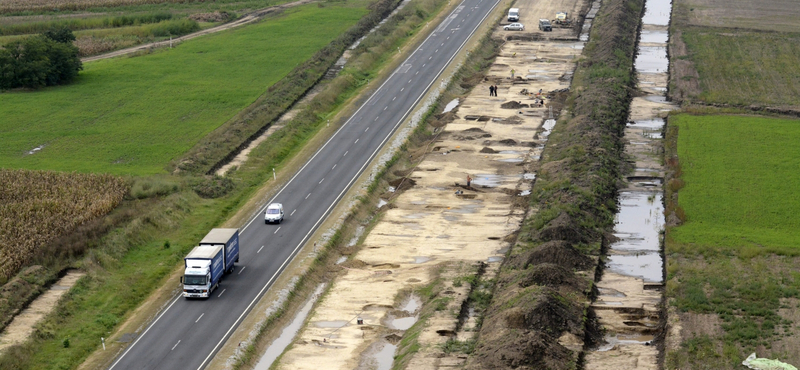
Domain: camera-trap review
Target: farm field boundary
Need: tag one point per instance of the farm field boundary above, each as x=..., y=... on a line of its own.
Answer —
x=731, y=244
x=736, y=53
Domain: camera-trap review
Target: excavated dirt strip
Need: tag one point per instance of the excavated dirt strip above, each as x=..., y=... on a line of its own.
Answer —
x=441, y=224
x=631, y=287
x=23, y=324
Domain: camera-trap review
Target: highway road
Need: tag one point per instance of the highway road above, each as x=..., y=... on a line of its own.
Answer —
x=188, y=333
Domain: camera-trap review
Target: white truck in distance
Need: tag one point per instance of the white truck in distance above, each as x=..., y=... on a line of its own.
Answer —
x=513, y=14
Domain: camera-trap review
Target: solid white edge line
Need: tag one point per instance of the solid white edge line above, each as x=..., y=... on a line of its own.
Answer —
x=145, y=332
x=291, y=256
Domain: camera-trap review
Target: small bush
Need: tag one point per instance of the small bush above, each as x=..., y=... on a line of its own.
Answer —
x=213, y=186
x=152, y=187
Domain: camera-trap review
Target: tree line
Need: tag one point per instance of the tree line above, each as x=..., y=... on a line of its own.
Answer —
x=47, y=59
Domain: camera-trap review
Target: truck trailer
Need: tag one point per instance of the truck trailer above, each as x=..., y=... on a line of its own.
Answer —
x=208, y=262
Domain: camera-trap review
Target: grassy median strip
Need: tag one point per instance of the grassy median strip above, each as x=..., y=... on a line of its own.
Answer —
x=134, y=115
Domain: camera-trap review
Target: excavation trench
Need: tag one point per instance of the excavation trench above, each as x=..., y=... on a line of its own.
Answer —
x=631, y=287
x=435, y=227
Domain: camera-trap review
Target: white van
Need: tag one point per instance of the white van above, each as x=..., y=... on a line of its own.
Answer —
x=513, y=14
x=274, y=213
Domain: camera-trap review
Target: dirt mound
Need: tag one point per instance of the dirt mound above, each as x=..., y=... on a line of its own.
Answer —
x=553, y=313
x=513, y=120
x=525, y=351
x=353, y=264
x=442, y=119
x=513, y=105
x=558, y=252
x=402, y=183
x=562, y=227
x=509, y=142
x=211, y=17
x=551, y=275
x=489, y=150
x=474, y=130
x=472, y=134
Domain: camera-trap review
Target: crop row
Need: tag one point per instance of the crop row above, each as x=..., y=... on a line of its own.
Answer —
x=13, y=6
x=36, y=207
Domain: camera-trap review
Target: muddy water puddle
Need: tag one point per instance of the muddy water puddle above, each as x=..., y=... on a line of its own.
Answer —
x=287, y=335
x=380, y=358
x=451, y=105
x=654, y=37
x=655, y=123
x=614, y=341
x=493, y=181
x=652, y=59
x=657, y=12
x=639, y=221
x=638, y=228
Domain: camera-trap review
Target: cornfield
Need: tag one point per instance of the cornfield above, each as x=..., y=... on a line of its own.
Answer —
x=37, y=207
x=13, y=6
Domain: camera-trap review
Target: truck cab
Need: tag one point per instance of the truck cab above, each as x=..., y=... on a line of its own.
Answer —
x=197, y=280
x=204, y=268
x=513, y=14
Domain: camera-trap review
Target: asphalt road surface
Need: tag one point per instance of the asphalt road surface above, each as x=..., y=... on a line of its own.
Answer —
x=190, y=332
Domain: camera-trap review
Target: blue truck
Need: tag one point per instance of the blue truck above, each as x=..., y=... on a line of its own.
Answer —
x=208, y=262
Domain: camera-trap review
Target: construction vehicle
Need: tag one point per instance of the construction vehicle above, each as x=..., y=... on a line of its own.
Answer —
x=562, y=20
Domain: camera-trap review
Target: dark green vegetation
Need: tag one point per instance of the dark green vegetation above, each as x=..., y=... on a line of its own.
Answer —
x=538, y=295
x=47, y=59
x=134, y=115
x=732, y=261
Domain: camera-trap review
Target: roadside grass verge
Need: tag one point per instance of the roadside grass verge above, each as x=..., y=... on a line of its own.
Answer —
x=133, y=115
x=745, y=68
x=731, y=244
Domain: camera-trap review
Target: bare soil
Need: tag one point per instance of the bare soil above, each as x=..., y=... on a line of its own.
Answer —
x=23, y=324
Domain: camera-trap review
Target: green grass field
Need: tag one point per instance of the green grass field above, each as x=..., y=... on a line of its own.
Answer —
x=741, y=176
x=746, y=68
x=134, y=115
x=732, y=265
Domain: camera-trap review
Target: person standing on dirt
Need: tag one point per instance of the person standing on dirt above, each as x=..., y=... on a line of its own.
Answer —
x=512, y=74
x=495, y=90
x=469, y=180
x=491, y=90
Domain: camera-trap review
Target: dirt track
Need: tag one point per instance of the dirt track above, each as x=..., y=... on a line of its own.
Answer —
x=249, y=18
